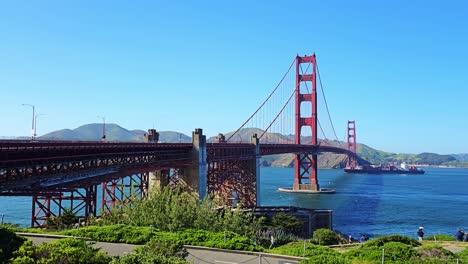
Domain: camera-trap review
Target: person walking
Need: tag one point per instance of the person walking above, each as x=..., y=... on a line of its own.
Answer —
x=272, y=240
x=420, y=233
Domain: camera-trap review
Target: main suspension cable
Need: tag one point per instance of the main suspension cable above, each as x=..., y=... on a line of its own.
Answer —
x=264, y=102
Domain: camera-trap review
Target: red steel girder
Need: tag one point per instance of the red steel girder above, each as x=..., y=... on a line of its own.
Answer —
x=81, y=202
x=123, y=191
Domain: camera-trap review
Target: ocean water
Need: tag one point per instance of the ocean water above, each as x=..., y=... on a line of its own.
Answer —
x=363, y=204
x=381, y=204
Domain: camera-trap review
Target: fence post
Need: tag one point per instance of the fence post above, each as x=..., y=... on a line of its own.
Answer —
x=303, y=253
x=224, y=236
x=383, y=255
x=2, y=218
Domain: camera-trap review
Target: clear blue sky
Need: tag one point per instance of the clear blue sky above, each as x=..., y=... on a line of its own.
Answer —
x=399, y=68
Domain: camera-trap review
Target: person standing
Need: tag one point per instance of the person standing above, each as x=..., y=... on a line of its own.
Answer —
x=459, y=235
x=420, y=233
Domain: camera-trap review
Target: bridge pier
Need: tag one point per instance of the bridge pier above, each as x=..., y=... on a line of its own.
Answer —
x=81, y=202
x=124, y=190
x=194, y=177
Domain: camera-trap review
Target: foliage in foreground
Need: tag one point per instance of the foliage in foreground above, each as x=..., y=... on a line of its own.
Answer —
x=67, y=250
x=396, y=249
x=9, y=242
x=168, y=251
x=440, y=237
x=113, y=233
x=324, y=236
x=176, y=210
x=140, y=235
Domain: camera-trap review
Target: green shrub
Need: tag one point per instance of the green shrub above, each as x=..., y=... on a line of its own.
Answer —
x=326, y=259
x=440, y=237
x=397, y=251
x=325, y=236
x=434, y=251
x=140, y=235
x=378, y=242
x=67, y=250
x=297, y=249
x=176, y=210
x=147, y=258
x=167, y=247
x=64, y=221
x=113, y=233
x=463, y=255
x=288, y=223
x=9, y=242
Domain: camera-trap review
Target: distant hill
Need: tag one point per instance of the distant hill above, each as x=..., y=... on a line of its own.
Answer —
x=461, y=156
x=93, y=132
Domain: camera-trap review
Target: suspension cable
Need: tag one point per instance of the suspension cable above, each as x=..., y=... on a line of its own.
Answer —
x=264, y=102
x=276, y=117
x=326, y=104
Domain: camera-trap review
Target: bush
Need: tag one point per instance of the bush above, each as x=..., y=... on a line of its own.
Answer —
x=378, y=242
x=9, y=242
x=113, y=233
x=434, y=251
x=263, y=237
x=326, y=259
x=141, y=235
x=297, y=249
x=440, y=237
x=463, y=255
x=325, y=236
x=287, y=223
x=67, y=220
x=67, y=250
x=176, y=210
x=397, y=251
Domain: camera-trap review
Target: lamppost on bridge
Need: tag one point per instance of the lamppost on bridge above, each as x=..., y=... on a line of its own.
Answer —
x=103, y=137
x=33, y=132
x=35, y=123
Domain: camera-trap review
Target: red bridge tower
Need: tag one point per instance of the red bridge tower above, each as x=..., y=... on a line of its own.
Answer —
x=306, y=163
x=351, y=144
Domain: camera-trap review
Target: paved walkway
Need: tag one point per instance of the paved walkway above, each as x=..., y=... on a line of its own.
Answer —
x=197, y=255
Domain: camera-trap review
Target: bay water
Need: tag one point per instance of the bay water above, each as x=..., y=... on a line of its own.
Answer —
x=363, y=204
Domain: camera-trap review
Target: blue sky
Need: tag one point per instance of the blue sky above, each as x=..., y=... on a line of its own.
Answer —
x=399, y=68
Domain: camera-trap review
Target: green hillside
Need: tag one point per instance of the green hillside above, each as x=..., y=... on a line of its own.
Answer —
x=93, y=132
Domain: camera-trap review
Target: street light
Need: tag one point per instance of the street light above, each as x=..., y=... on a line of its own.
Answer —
x=33, y=132
x=103, y=128
x=35, y=123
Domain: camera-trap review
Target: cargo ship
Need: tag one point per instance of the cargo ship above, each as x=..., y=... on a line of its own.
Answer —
x=385, y=169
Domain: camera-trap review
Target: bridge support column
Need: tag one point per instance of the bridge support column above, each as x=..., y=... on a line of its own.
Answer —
x=158, y=179
x=256, y=141
x=195, y=176
x=81, y=202
x=124, y=190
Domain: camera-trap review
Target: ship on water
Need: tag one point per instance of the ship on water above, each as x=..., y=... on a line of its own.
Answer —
x=385, y=169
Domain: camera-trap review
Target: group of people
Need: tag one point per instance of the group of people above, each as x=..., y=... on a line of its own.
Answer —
x=460, y=235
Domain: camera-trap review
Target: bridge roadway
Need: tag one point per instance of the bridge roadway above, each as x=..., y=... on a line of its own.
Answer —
x=25, y=165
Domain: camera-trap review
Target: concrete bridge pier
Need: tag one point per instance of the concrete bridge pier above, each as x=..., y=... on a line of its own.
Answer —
x=158, y=179
x=194, y=177
x=256, y=142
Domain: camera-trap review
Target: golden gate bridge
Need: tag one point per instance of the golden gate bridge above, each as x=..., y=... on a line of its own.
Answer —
x=61, y=174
